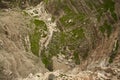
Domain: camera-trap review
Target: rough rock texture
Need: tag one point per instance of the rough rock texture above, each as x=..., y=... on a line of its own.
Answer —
x=15, y=61
x=89, y=31
x=18, y=3
x=79, y=38
x=100, y=74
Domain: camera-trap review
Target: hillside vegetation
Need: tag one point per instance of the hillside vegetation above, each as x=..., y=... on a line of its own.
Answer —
x=59, y=39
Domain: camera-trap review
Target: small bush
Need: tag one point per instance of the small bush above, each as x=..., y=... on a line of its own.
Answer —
x=106, y=28
x=46, y=59
x=76, y=58
x=36, y=35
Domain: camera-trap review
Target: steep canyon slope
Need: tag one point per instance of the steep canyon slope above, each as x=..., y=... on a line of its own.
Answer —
x=60, y=40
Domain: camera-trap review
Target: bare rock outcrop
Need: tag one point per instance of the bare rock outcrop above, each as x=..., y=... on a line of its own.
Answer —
x=15, y=61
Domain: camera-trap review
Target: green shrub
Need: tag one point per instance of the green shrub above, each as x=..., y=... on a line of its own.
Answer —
x=46, y=1
x=76, y=58
x=107, y=6
x=39, y=23
x=47, y=60
x=71, y=15
x=34, y=40
x=106, y=28
x=78, y=33
x=36, y=35
x=25, y=13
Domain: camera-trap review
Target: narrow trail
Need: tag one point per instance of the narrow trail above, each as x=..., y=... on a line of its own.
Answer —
x=42, y=14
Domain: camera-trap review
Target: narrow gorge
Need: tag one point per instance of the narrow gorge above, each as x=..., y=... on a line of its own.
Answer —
x=59, y=40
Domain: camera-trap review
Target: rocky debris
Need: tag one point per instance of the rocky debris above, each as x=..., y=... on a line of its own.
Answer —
x=61, y=62
x=42, y=14
x=51, y=77
x=15, y=61
x=4, y=4
x=82, y=75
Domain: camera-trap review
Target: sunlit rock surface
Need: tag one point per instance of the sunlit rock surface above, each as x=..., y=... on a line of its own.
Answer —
x=59, y=40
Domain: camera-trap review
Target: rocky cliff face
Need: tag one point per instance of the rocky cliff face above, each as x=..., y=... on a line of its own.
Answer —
x=89, y=30
x=16, y=58
x=18, y=3
x=80, y=38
